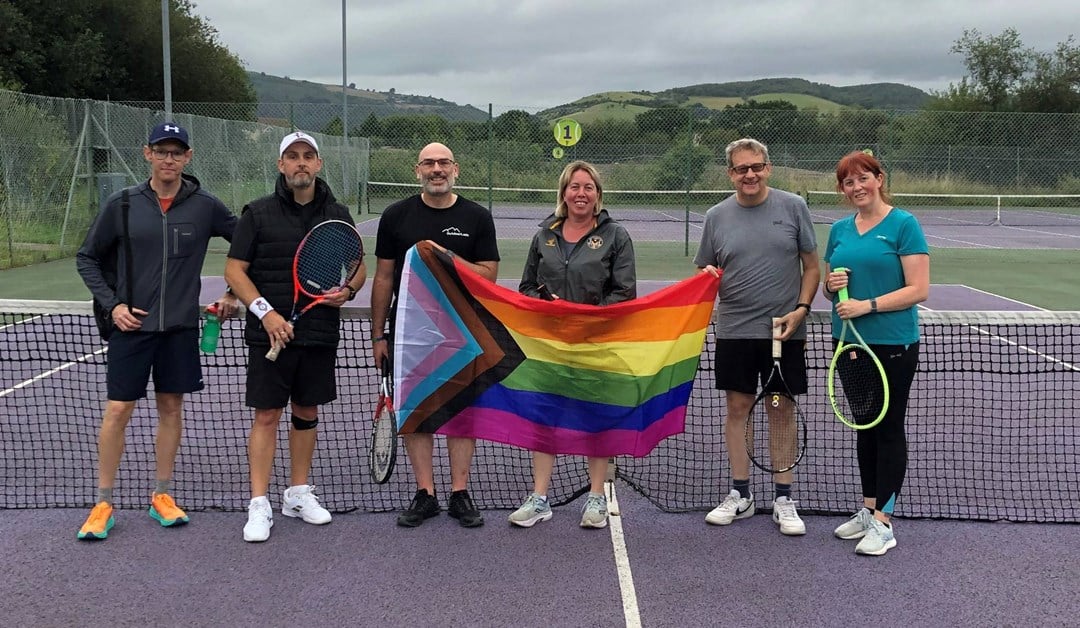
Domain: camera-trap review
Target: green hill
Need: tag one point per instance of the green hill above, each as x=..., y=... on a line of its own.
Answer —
x=799, y=92
x=278, y=95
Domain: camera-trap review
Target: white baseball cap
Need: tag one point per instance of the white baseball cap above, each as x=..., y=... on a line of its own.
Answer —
x=292, y=138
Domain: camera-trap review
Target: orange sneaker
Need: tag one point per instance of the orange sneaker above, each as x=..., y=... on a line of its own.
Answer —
x=164, y=510
x=98, y=524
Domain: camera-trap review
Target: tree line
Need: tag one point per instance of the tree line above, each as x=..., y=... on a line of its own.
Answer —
x=112, y=50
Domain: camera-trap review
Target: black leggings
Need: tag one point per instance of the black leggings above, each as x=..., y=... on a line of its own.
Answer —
x=882, y=449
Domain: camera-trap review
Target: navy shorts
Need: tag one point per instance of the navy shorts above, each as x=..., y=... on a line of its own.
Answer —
x=743, y=364
x=172, y=356
x=304, y=374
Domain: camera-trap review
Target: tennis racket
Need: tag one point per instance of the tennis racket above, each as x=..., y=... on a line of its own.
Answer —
x=326, y=260
x=383, y=452
x=775, y=427
x=858, y=387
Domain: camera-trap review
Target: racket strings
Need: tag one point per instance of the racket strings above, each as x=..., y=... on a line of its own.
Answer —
x=328, y=258
x=772, y=432
x=862, y=393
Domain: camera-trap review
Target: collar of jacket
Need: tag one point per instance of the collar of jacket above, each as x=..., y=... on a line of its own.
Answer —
x=323, y=195
x=188, y=186
x=551, y=222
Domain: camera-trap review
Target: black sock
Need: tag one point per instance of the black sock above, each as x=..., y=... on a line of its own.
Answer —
x=783, y=490
x=743, y=486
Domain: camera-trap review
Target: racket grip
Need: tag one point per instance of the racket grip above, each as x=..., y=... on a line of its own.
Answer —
x=776, y=331
x=272, y=354
x=842, y=293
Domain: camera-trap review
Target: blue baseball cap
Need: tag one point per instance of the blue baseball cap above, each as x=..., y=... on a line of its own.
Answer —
x=169, y=131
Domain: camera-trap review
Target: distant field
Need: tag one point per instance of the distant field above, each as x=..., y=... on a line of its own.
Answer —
x=715, y=102
x=802, y=101
x=613, y=105
x=622, y=96
x=608, y=110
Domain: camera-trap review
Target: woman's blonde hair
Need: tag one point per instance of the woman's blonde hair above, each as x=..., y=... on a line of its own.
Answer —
x=564, y=182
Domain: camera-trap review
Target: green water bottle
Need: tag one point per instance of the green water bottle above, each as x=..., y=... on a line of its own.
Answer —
x=211, y=329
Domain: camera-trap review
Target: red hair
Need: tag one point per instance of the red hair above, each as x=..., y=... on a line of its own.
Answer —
x=858, y=162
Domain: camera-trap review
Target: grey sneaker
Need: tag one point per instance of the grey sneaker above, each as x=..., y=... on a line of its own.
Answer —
x=878, y=539
x=594, y=514
x=733, y=507
x=533, y=511
x=856, y=526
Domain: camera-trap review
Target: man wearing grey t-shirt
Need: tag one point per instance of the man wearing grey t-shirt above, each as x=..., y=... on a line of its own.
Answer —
x=763, y=240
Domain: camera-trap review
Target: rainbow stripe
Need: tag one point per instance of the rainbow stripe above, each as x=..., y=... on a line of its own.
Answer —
x=556, y=377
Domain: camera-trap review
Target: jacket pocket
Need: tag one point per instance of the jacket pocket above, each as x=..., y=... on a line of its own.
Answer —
x=183, y=239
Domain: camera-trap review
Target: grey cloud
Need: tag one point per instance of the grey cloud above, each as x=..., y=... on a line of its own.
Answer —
x=540, y=53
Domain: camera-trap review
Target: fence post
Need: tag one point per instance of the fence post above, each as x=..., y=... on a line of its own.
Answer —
x=686, y=179
x=491, y=153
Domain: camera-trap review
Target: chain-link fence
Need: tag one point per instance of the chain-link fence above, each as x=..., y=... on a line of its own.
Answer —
x=58, y=156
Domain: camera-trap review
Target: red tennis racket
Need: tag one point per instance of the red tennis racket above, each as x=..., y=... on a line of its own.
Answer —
x=326, y=260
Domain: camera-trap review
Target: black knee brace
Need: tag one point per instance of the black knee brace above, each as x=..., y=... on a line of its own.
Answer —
x=304, y=424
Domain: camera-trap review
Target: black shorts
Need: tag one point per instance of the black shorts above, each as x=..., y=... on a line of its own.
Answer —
x=303, y=374
x=172, y=356
x=743, y=364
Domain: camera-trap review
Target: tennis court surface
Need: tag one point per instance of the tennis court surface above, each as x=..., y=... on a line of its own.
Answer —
x=993, y=434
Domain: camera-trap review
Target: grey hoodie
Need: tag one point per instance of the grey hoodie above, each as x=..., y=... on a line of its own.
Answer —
x=168, y=249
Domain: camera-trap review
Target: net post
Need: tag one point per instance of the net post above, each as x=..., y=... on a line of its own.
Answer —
x=609, y=488
x=997, y=213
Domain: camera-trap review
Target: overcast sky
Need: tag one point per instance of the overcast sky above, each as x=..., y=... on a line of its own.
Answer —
x=531, y=54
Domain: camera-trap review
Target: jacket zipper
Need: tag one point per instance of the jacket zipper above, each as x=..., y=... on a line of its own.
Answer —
x=164, y=263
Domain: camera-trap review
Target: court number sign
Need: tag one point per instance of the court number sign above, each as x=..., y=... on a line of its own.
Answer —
x=567, y=132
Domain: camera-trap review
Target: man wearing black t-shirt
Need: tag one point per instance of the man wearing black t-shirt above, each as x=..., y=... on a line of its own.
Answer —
x=454, y=223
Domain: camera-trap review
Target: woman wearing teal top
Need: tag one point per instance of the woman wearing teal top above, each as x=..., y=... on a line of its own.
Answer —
x=888, y=264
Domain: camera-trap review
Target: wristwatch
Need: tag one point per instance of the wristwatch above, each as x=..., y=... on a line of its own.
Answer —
x=803, y=305
x=873, y=305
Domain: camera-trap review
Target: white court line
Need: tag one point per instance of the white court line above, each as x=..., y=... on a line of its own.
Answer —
x=1003, y=298
x=1037, y=231
x=1013, y=343
x=956, y=241
x=622, y=559
x=62, y=367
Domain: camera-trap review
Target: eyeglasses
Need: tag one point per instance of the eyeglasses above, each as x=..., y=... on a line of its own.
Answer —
x=430, y=163
x=758, y=167
x=161, y=153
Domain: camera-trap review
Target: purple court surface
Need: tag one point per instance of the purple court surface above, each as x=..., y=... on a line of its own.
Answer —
x=942, y=229
x=648, y=568
x=943, y=297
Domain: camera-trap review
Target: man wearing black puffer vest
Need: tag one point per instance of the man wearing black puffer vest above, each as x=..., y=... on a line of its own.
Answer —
x=259, y=270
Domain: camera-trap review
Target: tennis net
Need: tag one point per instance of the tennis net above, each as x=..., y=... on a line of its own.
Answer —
x=992, y=424
x=959, y=210
x=534, y=204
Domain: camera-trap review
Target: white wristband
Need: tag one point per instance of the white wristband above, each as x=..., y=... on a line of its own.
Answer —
x=260, y=307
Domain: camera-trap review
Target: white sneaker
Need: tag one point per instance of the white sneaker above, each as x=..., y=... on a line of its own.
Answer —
x=877, y=540
x=534, y=510
x=260, y=520
x=856, y=526
x=301, y=502
x=785, y=516
x=733, y=507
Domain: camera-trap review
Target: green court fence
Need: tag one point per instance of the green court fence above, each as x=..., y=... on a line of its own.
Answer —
x=59, y=157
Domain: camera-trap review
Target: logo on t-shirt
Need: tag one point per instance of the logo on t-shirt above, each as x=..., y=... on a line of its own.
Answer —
x=455, y=232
